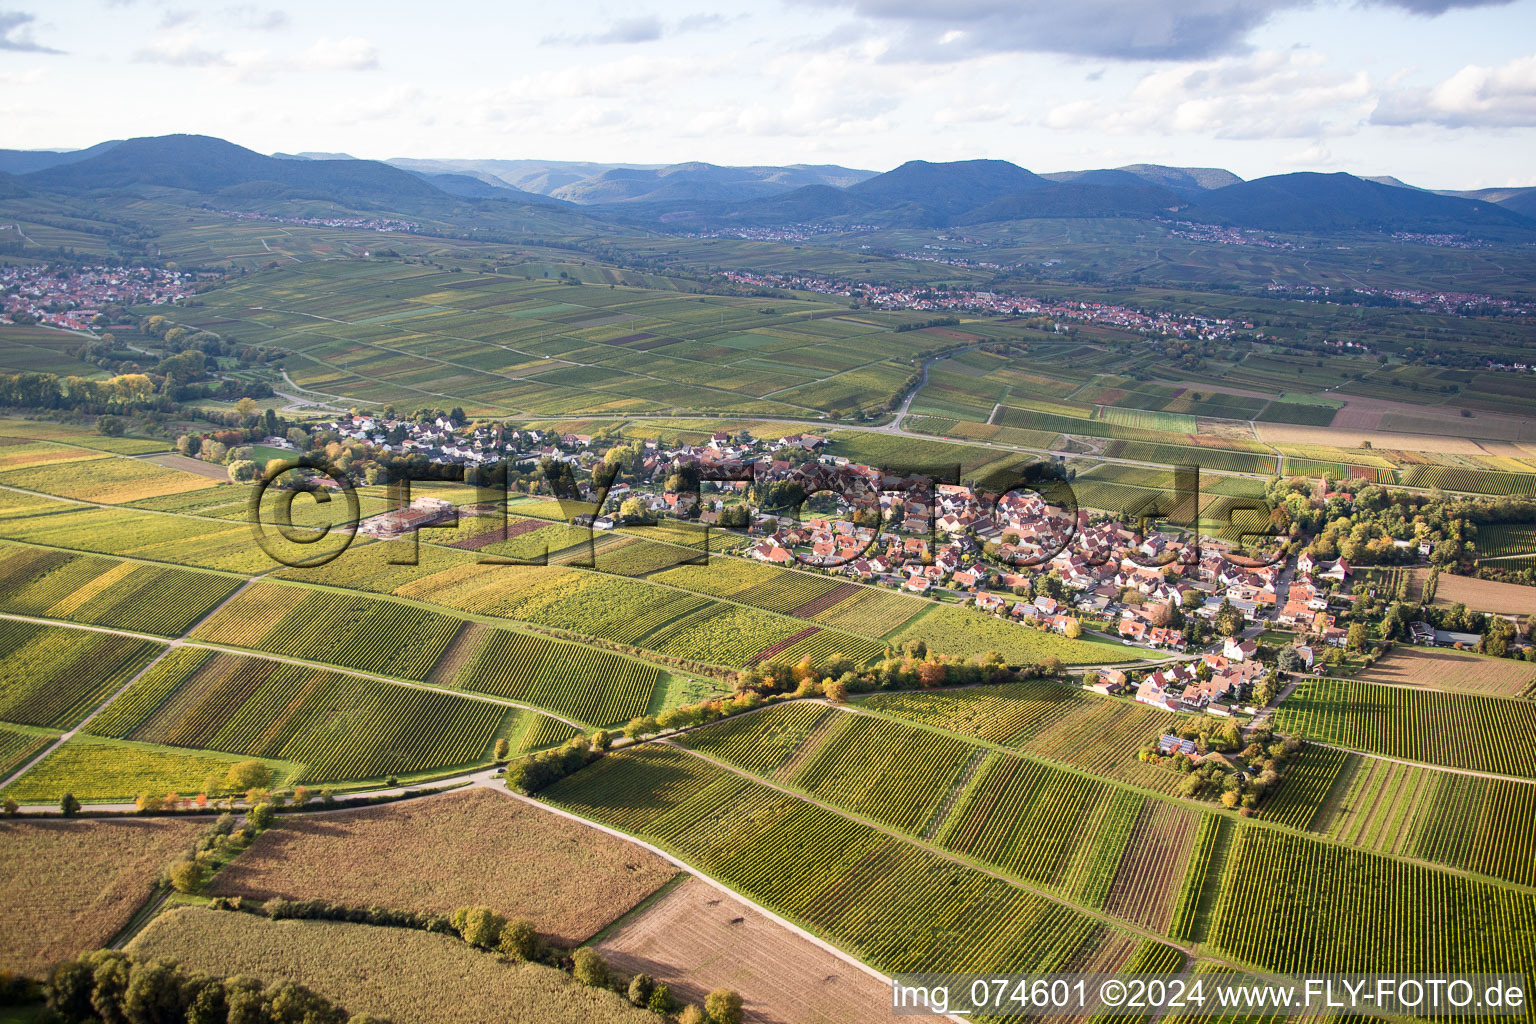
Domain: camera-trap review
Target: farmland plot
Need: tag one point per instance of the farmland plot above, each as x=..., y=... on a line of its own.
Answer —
x=338, y=726
x=52, y=676
x=581, y=682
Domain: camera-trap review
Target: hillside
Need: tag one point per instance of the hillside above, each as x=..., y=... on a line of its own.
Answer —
x=197, y=163
x=1324, y=203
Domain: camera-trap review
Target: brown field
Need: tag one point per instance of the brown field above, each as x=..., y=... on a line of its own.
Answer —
x=211, y=470
x=471, y=846
x=1458, y=671
x=69, y=886
x=399, y=974
x=1481, y=595
x=697, y=938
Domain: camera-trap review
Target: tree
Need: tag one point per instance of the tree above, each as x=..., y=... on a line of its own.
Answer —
x=68, y=805
x=298, y=437
x=479, y=926
x=631, y=510
x=521, y=942
x=11, y=807
x=640, y=988
x=187, y=876
x=836, y=690
x=110, y=426
x=723, y=1006
x=660, y=1002
x=261, y=816
x=1358, y=637
x=1288, y=660
x=502, y=749
x=1074, y=629
x=243, y=471
x=692, y=1015
x=247, y=407
x=243, y=775
x=589, y=967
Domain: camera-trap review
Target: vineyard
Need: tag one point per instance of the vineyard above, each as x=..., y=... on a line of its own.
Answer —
x=1470, y=481
x=338, y=726
x=1306, y=786
x=158, y=599
x=891, y=904
x=52, y=676
x=581, y=682
x=763, y=741
x=18, y=746
x=359, y=632
x=763, y=586
x=870, y=611
x=109, y=480
x=1219, y=459
x=1299, y=906
x=1054, y=829
x=1457, y=730
x=1315, y=469
x=1203, y=876
x=1499, y=540
x=544, y=732
x=1048, y=720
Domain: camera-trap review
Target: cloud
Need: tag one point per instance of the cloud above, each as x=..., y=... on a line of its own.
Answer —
x=644, y=29
x=16, y=33
x=189, y=50
x=253, y=17
x=641, y=29
x=1434, y=8
x=1267, y=95
x=1474, y=97
x=1148, y=30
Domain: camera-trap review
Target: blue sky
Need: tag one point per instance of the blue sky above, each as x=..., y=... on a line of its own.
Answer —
x=1441, y=93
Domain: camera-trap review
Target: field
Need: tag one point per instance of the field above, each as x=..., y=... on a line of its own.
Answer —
x=964, y=632
x=696, y=939
x=1306, y=786
x=1482, y=595
x=1331, y=913
x=100, y=770
x=338, y=726
x=112, y=866
x=136, y=596
x=353, y=630
x=1461, y=821
x=892, y=904
x=583, y=683
x=396, y=974
x=1474, y=481
x=1049, y=720
x=18, y=746
x=110, y=481
x=1457, y=730
x=1452, y=670
x=467, y=847
x=53, y=676
x=894, y=773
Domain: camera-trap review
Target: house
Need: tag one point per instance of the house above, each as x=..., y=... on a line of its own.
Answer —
x=1170, y=744
x=1239, y=650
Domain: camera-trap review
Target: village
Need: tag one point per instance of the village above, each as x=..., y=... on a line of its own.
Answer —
x=1198, y=610
x=71, y=297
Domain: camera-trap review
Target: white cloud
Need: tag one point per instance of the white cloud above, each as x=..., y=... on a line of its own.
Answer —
x=1268, y=95
x=1475, y=96
x=190, y=48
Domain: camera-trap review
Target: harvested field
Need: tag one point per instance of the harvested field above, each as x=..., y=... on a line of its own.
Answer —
x=1452, y=670
x=55, y=914
x=394, y=973
x=697, y=938
x=1481, y=595
x=471, y=846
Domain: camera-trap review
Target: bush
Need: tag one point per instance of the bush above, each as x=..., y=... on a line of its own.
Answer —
x=589, y=967
x=479, y=926
x=521, y=942
x=661, y=1002
x=68, y=805
x=723, y=1006
x=244, y=775
x=262, y=816
x=187, y=876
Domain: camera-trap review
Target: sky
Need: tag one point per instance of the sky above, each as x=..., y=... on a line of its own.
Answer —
x=1440, y=93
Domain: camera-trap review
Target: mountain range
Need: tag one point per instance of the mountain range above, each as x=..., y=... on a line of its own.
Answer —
x=916, y=194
